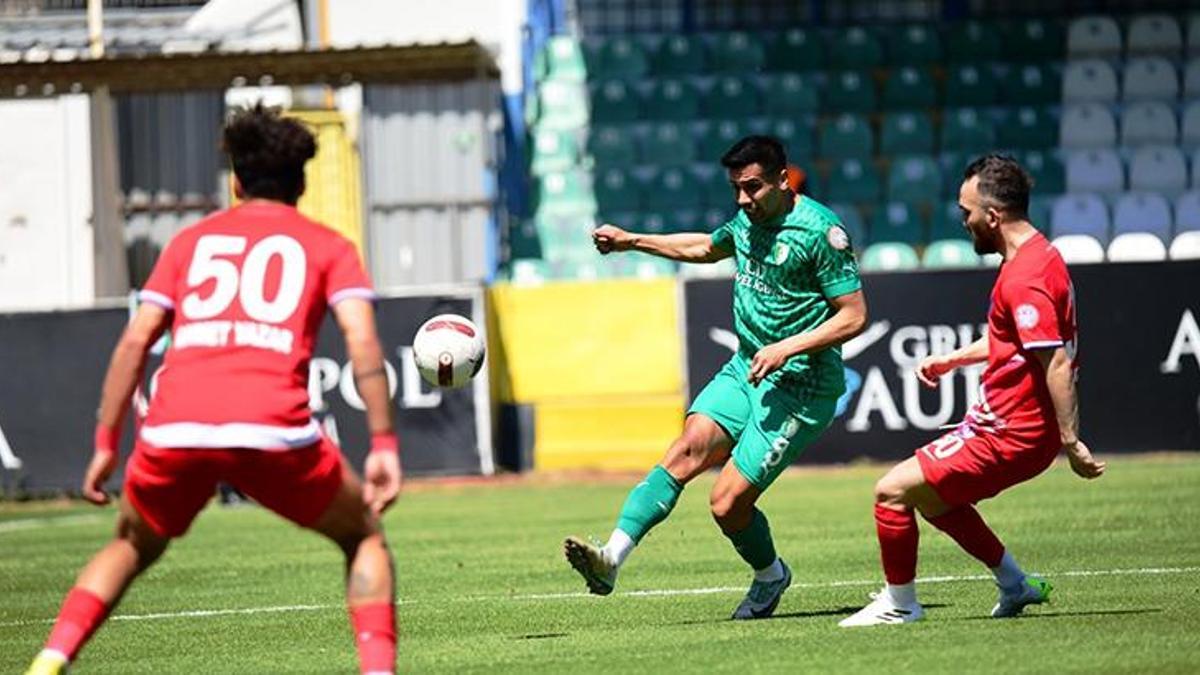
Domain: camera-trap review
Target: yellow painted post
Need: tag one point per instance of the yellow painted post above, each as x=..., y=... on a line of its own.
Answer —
x=333, y=193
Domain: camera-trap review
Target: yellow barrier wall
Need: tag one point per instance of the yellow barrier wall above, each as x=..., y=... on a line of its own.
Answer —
x=333, y=193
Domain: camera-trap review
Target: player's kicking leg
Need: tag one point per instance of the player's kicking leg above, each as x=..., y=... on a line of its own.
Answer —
x=702, y=445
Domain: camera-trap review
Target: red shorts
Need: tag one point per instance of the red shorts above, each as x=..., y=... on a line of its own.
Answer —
x=964, y=469
x=169, y=486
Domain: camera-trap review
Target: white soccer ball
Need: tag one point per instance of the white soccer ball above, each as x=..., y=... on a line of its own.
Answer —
x=448, y=350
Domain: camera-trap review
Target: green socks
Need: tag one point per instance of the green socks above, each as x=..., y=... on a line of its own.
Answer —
x=754, y=543
x=649, y=503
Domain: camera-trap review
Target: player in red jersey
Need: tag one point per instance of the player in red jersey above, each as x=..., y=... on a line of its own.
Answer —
x=244, y=292
x=1027, y=410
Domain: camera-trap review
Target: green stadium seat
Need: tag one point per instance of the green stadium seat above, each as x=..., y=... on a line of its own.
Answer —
x=612, y=145
x=847, y=135
x=562, y=60
x=731, y=97
x=528, y=271
x=736, y=52
x=947, y=223
x=973, y=42
x=850, y=91
x=950, y=254
x=971, y=85
x=564, y=193
x=898, y=222
x=889, y=257
x=713, y=218
x=554, y=150
x=672, y=99
x=1040, y=207
x=906, y=133
x=621, y=57
x=914, y=45
x=679, y=55
x=1028, y=127
x=852, y=222
x=561, y=105
x=815, y=184
x=668, y=144
x=909, y=87
x=615, y=101
x=671, y=188
x=616, y=190
x=795, y=50
x=855, y=48
x=790, y=94
x=1032, y=84
x=967, y=130
x=915, y=180
x=1047, y=170
x=524, y=240
x=717, y=137
x=854, y=181
x=953, y=165
x=796, y=134
x=1035, y=41
x=713, y=189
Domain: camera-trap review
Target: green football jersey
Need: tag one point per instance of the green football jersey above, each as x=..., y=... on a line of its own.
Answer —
x=787, y=270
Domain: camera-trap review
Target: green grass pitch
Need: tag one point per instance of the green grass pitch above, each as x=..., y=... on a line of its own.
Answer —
x=483, y=586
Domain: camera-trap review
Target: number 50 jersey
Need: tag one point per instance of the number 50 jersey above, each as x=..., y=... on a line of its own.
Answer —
x=248, y=288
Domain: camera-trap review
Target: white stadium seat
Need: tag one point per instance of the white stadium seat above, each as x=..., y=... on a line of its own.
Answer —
x=1079, y=248
x=1143, y=212
x=1154, y=34
x=1191, y=125
x=1087, y=125
x=1149, y=78
x=1080, y=214
x=1095, y=171
x=1160, y=168
x=1094, y=36
x=1186, y=246
x=1136, y=247
x=1089, y=80
x=1149, y=123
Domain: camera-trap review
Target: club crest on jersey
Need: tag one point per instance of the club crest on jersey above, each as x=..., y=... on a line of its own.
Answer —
x=779, y=254
x=1027, y=316
x=838, y=238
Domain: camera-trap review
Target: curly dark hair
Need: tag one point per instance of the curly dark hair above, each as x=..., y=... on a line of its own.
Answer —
x=1003, y=181
x=268, y=153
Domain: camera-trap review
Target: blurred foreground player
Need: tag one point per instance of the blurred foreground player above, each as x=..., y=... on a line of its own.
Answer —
x=244, y=292
x=1027, y=411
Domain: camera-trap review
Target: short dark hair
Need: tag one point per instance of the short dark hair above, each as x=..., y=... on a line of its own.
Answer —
x=766, y=151
x=1003, y=181
x=268, y=153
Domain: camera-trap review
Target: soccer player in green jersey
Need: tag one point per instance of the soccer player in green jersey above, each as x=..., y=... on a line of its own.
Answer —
x=797, y=298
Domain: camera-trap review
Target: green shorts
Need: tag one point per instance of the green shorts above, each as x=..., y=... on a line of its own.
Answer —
x=768, y=424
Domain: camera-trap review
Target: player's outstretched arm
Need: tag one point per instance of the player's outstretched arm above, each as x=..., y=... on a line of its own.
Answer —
x=849, y=319
x=691, y=247
x=125, y=370
x=1060, y=380
x=932, y=368
x=382, y=474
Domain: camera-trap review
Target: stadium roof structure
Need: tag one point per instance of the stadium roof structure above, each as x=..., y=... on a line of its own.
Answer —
x=219, y=70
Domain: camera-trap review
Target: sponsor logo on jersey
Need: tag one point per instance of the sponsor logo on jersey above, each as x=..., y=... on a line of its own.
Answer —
x=1027, y=316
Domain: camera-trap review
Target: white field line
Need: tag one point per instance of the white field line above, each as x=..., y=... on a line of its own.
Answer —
x=200, y=613
x=53, y=521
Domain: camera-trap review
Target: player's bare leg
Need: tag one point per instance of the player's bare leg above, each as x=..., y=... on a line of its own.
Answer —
x=370, y=584
x=732, y=504
x=703, y=445
x=99, y=588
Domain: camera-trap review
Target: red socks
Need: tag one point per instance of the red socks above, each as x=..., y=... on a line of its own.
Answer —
x=898, y=535
x=375, y=636
x=965, y=526
x=81, y=614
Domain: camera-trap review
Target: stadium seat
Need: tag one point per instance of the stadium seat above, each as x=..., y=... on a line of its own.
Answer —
x=1089, y=80
x=553, y=150
x=1143, y=212
x=791, y=94
x=668, y=144
x=718, y=137
x=616, y=191
x=972, y=42
x=847, y=135
x=795, y=50
x=971, y=85
x=621, y=57
x=1191, y=79
x=564, y=193
x=952, y=165
x=1098, y=170
x=1154, y=34
x=855, y=48
x=947, y=223
x=1040, y=208
x=1149, y=78
x=916, y=180
x=914, y=45
x=672, y=99
x=1079, y=248
x=898, y=222
x=950, y=254
x=1187, y=212
x=731, y=97
x=1193, y=35
x=1087, y=125
x=736, y=52
x=562, y=60
x=679, y=55
x=1149, y=123
x=1034, y=40
x=561, y=105
x=712, y=183
x=796, y=134
x=850, y=91
x=1094, y=36
x=528, y=271
x=1026, y=128
x=1186, y=246
x=523, y=239
x=1032, y=85
x=854, y=180
x=1158, y=169
x=906, y=133
x=852, y=222
x=889, y=257
x=1080, y=214
x=967, y=130
x=1190, y=138
x=1136, y=247
x=671, y=188
x=615, y=101
x=612, y=145
x=909, y=87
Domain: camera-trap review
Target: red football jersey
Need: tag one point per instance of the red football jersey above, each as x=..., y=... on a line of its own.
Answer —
x=248, y=287
x=1032, y=307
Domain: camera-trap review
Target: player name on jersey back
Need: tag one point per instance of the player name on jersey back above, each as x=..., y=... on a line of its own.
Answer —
x=236, y=334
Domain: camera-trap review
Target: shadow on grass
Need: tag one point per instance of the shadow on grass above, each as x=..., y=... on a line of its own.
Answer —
x=540, y=636
x=840, y=611
x=1053, y=615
